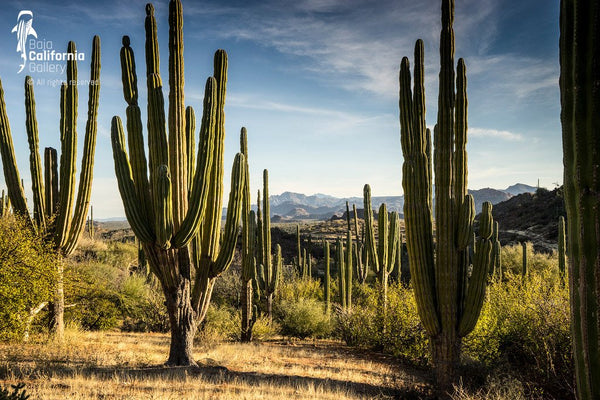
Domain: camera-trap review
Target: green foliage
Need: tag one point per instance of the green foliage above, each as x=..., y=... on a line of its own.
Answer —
x=17, y=393
x=303, y=318
x=296, y=289
x=525, y=328
x=27, y=275
x=222, y=323
x=403, y=336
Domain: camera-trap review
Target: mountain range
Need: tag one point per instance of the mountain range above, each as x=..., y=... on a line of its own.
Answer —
x=294, y=206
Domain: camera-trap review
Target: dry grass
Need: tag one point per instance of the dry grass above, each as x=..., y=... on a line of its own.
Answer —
x=129, y=366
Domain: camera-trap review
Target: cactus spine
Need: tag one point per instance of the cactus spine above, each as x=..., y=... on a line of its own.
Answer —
x=449, y=302
x=58, y=214
x=173, y=206
x=268, y=273
x=580, y=117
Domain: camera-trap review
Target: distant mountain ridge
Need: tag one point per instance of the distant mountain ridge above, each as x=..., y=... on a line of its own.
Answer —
x=293, y=206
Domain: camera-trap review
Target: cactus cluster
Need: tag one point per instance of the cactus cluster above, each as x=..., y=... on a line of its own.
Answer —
x=59, y=212
x=344, y=267
x=580, y=118
x=449, y=299
x=173, y=198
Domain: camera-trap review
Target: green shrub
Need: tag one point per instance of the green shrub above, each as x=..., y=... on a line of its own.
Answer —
x=27, y=275
x=302, y=318
x=524, y=326
x=400, y=333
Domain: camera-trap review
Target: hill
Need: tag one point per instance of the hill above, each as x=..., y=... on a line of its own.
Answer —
x=531, y=217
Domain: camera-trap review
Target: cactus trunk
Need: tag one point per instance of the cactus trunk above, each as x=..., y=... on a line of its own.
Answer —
x=580, y=117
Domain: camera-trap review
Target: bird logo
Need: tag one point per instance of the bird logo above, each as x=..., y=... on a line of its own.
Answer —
x=23, y=29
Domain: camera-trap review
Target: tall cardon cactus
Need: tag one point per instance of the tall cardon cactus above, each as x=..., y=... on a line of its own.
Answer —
x=580, y=117
x=59, y=213
x=449, y=299
x=173, y=198
x=4, y=205
x=248, y=273
x=327, y=279
x=381, y=254
x=562, y=245
x=268, y=272
x=360, y=251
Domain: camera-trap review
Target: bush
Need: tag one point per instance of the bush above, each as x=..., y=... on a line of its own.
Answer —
x=224, y=323
x=399, y=333
x=302, y=318
x=27, y=275
x=524, y=326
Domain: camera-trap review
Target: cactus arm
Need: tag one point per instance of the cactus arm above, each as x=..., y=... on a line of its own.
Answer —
x=135, y=136
x=392, y=242
x=51, y=180
x=164, y=212
x=327, y=282
x=475, y=293
x=234, y=211
x=212, y=218
x=152, y=53
x=348, y=265
x=87, y=162
x=139, y=224
x=35, y=163
x=416, y=182
x=383, y=243
x=200, y=188
x=341, y=272
x=190, y=140
x=178, y=151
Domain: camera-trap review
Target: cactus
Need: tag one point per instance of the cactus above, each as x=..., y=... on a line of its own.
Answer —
x=267, y=272
x=309, y=257
x=382, y=255
x=360, y=252
x=525, y=270
x=173, y=201
x=58, y=214
x=497, y=254
x=327, y=281
x=299, y=250
x=580, y=117
x=248, y=273
x=304, y=265
x=4, y=205
x=90, y=224
x=348, y=269
x=448, y=300
x=341, y=267
x=562, y=245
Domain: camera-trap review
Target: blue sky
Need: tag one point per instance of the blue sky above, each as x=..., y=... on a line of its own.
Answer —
x=316, y=84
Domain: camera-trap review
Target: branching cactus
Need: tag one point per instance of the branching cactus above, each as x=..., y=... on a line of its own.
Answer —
x=172, y=198
x=381, y=254
x=268, y=273
x=59, y=213
x=580, y=117
x=449, y=301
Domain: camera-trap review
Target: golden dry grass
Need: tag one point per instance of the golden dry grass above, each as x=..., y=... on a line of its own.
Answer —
x=114, y=365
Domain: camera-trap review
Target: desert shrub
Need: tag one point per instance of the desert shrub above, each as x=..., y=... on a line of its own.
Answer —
x=228, y=286
x=302, y=318
x=296, y=289
x=399, y=332
x=524, y=326
x=222, y=323
x=143, y=305
x=27, y=275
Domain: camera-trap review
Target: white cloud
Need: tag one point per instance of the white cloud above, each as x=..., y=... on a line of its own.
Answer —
x=494, y=133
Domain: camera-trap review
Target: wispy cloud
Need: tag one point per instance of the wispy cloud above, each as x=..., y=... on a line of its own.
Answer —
x=494, y=133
